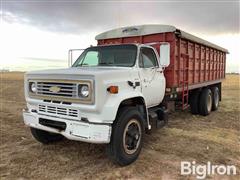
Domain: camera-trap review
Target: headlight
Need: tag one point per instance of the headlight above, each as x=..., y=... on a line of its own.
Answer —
x=83, y=91
x=33, y=87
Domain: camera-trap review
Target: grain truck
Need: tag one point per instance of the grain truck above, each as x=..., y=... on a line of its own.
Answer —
x=119, y=90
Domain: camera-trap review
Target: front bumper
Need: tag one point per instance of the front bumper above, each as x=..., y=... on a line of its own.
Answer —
x=75, y=130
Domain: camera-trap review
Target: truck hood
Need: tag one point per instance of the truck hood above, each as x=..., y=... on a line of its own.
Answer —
x=80, y=71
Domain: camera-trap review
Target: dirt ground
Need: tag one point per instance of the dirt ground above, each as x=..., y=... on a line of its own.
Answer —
x=187, y=137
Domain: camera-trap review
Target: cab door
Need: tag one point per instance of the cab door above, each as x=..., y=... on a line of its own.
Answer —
x=151, y=75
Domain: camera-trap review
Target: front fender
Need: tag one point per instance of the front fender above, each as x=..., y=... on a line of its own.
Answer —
x=113, y=102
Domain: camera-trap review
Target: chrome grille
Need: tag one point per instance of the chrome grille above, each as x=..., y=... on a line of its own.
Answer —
x=57, y=110
x=65, y=89
x=61, y=90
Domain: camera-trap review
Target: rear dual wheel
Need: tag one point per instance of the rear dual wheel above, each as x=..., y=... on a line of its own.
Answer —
x=215, y=98
x=205, y=101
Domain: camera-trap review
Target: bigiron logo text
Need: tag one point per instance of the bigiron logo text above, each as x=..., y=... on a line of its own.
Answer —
x=201, y=171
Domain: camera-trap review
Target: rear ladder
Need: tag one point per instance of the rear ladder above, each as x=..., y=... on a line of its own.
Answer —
x=184, y=83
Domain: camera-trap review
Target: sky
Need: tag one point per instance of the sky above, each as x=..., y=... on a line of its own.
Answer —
x=37, y=34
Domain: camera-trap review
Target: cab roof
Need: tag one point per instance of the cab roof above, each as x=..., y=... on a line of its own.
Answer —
x=142, y=30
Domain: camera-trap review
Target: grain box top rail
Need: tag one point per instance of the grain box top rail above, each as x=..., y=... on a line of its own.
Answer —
x=142, y=30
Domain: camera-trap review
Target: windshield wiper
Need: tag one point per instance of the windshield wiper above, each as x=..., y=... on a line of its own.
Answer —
x=104, y=63
x=82, y=65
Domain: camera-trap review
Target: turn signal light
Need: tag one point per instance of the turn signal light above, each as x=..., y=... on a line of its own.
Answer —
x=113, y=89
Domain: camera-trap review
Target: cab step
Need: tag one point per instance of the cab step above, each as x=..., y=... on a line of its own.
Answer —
x=158, y=117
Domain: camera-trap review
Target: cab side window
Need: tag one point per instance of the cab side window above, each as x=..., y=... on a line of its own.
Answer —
x=147, y=58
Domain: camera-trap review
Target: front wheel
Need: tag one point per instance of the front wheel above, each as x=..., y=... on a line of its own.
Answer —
x=126, y=140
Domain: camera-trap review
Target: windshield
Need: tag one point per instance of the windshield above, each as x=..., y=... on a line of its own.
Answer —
x=116, y=55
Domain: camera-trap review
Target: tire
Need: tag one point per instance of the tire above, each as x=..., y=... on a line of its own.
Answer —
x=215, y=98
x=205, y=102
x=194, y=102
x=45, y=137
x=127, y=135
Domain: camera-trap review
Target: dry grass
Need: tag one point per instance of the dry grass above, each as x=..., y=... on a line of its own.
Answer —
x=214, y=138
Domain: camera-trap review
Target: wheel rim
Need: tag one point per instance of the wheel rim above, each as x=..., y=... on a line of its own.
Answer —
x=132, y=136
x=209, y=103
x=216, y=98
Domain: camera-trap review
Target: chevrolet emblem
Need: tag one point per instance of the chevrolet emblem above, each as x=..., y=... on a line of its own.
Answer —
x=54, y=89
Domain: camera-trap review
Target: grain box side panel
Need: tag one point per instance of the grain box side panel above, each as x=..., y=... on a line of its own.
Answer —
x=205, y=63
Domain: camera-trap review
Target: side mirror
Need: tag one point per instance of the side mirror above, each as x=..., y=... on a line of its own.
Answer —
x=165, y=54
x=73, y=54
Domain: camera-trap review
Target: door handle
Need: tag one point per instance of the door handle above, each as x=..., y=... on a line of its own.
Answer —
x=160, y=71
